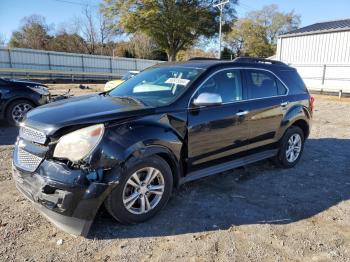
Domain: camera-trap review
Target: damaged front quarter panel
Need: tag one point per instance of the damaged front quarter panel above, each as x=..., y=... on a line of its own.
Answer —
x=70, y=194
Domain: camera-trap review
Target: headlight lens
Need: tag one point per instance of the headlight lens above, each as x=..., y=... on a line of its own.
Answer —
x=79, y=144
x=42, y=90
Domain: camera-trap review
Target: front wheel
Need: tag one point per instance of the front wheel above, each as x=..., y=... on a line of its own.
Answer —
x=144, y=189
x=291, y=147
x=17, y=110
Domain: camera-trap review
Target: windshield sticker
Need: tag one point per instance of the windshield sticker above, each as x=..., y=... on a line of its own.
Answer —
x=177, y=81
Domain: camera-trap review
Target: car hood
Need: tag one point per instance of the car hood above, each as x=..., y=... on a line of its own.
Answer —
x=24, y=82
x=88, y=109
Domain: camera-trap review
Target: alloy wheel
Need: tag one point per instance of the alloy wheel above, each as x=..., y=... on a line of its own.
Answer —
x=143, y=190
x=294, y=148
x=19, y=111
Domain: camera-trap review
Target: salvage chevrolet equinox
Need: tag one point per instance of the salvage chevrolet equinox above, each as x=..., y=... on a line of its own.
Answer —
x=173, y=123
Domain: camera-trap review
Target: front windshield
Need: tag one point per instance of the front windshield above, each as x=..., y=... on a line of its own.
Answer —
x=157, y=86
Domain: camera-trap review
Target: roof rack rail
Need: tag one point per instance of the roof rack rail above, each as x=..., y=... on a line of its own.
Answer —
x=258, y=60
x=202, y=58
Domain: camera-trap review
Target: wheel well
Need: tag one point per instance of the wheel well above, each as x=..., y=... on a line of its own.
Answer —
x=304, y=126
x=174, y=169
x=17, y=99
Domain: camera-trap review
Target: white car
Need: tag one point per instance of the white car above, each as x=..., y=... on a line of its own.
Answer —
x=113, y=83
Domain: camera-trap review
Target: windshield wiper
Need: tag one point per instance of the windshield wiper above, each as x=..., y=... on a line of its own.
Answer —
x=138, y=101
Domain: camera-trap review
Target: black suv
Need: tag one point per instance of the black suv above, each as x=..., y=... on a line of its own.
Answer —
x=172, y=123
x=17, y=97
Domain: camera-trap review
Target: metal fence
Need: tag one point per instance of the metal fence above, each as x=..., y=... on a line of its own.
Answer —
x=29, y=63
x=325, y=77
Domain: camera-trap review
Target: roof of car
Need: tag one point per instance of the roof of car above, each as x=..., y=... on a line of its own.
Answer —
x=239, y=62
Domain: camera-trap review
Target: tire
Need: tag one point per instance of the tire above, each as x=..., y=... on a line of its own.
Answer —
x=22, y=106
x=126, y=190
x=284, y=158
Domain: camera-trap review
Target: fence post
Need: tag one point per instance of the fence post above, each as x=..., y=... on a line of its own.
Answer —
x=49, y=57
x=83, y=66
x=10, y=61
x=111, y=67
x=135, y=64
x=340, y=94
x=324, y=74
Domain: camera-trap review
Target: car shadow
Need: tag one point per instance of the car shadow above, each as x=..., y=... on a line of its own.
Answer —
x=256, y=194
x=8, y=133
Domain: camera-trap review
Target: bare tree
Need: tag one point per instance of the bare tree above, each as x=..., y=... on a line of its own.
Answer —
x=88, y=30
x=2, y=40
x=105, y=33
x=95, y=30
x=142, y=46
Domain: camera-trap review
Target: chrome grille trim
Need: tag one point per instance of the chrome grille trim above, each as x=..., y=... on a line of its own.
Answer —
x=27, y=161
x=32, y=135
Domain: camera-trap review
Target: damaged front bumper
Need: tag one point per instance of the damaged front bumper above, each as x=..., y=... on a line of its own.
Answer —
x=66, y=197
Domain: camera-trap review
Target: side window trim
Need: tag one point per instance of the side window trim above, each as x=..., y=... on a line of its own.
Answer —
x=244, y=83
x=279, y=83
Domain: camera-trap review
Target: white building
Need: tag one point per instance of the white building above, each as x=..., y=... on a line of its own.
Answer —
x=321, y=54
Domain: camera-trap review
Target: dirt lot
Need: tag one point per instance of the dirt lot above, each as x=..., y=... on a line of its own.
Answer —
x=256, y=213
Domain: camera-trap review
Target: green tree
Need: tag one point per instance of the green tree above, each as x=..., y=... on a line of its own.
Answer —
x=32, y=34
x=174, y=25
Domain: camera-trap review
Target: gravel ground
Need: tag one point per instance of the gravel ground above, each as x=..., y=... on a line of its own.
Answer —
x=255, y=213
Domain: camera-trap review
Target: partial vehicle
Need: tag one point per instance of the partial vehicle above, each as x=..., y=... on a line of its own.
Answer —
x=171, y=124
x=113, y=83
x=17, y=97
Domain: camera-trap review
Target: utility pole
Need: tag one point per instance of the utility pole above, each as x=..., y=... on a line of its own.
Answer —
x=220, y=5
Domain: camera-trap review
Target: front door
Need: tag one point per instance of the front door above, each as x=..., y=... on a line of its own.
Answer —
x=218, y=131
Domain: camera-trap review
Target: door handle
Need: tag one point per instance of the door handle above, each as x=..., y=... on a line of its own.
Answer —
x=284, y=104
x=242, y=113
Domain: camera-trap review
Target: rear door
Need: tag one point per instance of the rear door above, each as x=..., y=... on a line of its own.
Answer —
x=266, y=106
x=219, y=131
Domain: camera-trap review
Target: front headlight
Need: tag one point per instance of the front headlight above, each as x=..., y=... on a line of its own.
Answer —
x=42, y=90
x=79, y=144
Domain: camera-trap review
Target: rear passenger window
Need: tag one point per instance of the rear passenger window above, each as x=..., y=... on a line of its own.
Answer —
x=294, y=82
x=263, y=84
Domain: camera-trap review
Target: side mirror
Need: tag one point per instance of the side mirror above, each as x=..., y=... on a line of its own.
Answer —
x=208, y=99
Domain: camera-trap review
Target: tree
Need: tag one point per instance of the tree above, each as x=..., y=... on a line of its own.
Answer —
x=249, y=39
x=32, y=34
x=194, y=52
x=173, y=25
x=94, y=29
x=142, y=46
x=274, y=21
x=256, y=35
x=122, y=49
x=67, y=42
x=2, y=40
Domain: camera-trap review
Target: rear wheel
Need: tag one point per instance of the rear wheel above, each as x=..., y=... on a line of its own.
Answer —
x=17, y=110
x=144, y=189
x=291, y=147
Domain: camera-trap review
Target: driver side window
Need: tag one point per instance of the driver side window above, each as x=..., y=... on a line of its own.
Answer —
x=226, y=83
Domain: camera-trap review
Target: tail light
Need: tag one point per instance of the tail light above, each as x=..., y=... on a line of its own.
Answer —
x=312, y=101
